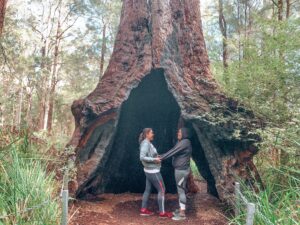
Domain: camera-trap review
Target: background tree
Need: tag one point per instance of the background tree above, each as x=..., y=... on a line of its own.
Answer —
x=223, y=29
x=58, y=44
x=2, y=14
x=263, y=63
x=102, y=22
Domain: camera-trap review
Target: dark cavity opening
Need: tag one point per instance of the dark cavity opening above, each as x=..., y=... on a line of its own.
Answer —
x=151, y=104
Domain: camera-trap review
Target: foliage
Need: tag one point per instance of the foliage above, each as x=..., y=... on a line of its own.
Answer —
x=195, y=170
x=279, y=202
x=267, y=79
x=28, y=192
x=263, y=74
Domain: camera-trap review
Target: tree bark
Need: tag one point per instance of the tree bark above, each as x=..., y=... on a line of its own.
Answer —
x=159, y=74
x=3, y=4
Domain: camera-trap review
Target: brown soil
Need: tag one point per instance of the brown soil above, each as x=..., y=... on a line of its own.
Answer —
x=203, y=209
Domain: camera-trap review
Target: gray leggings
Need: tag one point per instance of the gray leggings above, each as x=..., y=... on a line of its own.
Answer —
x=156, y=180
x=181, y=177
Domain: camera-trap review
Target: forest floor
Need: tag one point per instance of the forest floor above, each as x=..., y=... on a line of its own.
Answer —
x=202, y=209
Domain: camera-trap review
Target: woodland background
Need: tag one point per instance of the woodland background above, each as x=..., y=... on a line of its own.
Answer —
x=53, y=52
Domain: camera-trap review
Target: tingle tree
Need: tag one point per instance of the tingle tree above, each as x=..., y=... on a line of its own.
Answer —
x=159, y=77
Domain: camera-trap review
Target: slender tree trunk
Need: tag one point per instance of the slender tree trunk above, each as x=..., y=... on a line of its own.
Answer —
x=245, y=29
x=50, y=114
x=103, y=51
x=280, y=9
x=19, y=109
x=3, y=4
x=28, y=111
x=46, y=114
x=280, y=18
x=223, y=29
x=13, y=117
x=288, y=7
x=284, y=156
x=1, y=115
x=249, y=30
x=41, y=114
x=48, y=122
x=52, y=96
x=54, y=66
x=42, y=86
x=50, y=111
x=273, y=10
x=53, y=84
x=245, y=19
x=239, y=29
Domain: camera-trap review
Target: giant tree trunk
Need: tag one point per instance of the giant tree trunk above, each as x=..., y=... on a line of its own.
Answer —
x=159, y=74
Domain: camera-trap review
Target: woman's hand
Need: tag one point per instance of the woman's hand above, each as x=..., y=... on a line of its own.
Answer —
x=157, y=160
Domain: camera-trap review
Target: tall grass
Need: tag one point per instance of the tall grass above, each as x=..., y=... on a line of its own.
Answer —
x=27, y=191
x=279, y=202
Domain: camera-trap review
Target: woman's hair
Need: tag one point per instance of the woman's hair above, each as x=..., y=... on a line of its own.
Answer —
x=144, y=133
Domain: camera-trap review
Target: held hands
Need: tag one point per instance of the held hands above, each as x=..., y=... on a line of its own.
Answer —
x=157, y=160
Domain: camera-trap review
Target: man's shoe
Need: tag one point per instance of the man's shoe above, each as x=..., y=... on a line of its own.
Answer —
x=165, y=215
x=146, y=212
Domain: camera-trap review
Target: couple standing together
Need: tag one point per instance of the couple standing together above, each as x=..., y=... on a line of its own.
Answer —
x=151, y=161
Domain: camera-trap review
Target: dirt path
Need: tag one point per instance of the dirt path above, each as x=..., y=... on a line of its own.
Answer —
x=203, y=209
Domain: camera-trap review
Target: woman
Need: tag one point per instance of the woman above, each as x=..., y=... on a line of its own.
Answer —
x=181, y=153
x=152, y=164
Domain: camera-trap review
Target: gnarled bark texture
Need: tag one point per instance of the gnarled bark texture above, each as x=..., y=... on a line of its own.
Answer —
x=159, y=77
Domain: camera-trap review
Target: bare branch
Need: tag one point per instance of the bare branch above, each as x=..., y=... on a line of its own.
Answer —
x=67, y=28
x=274, y=3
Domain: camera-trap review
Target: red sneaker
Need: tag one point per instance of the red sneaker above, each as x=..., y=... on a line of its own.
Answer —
x=166, y=215
x=146, y=212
